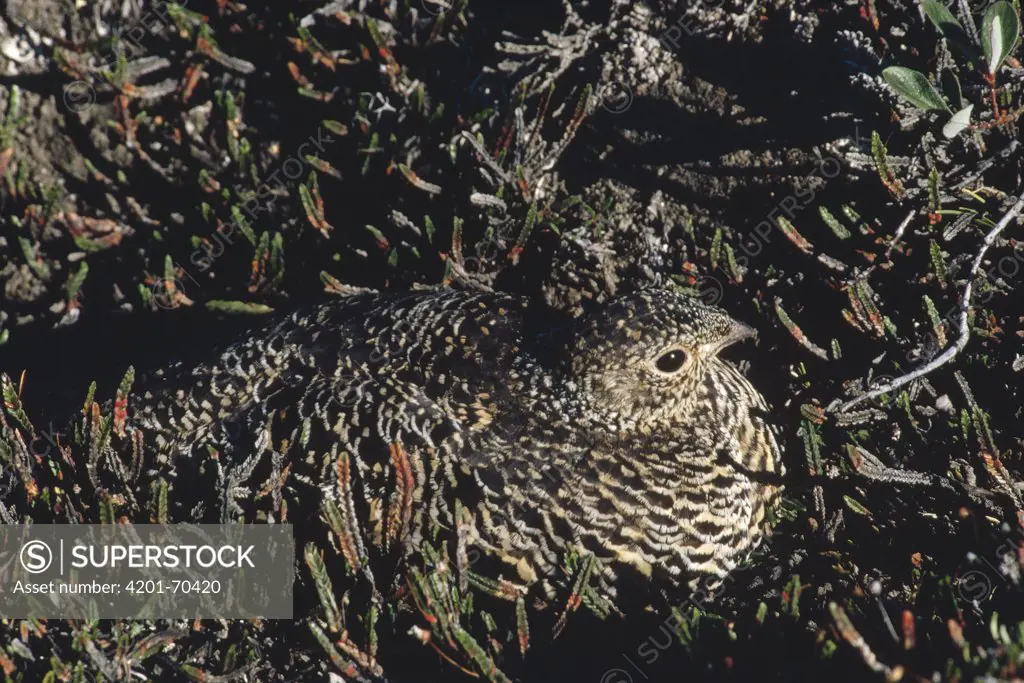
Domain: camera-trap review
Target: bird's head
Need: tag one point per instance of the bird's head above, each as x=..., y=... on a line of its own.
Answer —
x=647, y=358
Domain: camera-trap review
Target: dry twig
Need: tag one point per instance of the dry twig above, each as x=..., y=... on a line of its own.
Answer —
x=965, y=308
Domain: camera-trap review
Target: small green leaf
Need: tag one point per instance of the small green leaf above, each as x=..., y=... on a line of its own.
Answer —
x=221, y=306
x=914, y=87
x=856, y=506
x=336, y=127
x=1000, y=31
x=940, y=16
x=833, y=223
x=958, y=123
x=429, y=223
x=243, y=225
x=75, y=282
x=950, y=27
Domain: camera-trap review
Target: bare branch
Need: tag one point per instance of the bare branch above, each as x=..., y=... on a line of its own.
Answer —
x=899, y=233
x=965, y=308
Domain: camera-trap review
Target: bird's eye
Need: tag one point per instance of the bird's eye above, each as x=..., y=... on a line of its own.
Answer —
x=670, y=362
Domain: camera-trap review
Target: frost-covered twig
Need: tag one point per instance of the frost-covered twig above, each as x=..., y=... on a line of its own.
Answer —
x=899, y=233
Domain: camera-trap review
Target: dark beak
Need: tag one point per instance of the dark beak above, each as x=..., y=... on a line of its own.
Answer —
x=738, y=333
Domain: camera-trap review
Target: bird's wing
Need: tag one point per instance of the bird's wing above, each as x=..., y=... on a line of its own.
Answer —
x=358, y=376
x=456, y=346
x=182, y=404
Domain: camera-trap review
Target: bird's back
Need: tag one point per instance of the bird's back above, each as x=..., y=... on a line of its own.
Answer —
x=365, y=410
x=432, y=351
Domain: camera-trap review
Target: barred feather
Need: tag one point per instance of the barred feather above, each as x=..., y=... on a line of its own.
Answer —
x=552, y=434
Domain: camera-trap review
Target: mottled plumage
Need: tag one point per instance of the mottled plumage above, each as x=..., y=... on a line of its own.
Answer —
x=621, y=434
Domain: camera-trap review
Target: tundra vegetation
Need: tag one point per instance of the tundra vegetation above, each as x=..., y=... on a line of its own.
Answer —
x=845, y=177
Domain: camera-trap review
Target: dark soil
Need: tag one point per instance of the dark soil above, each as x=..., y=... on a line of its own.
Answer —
x=689, y=131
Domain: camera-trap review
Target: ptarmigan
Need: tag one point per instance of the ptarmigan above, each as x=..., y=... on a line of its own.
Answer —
x=621, y=434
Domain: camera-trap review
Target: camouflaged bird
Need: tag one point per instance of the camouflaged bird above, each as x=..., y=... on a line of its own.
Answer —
x=622, y=434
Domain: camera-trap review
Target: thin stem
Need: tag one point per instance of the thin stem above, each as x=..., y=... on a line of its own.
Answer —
x=992, y=92
x=965, y=307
